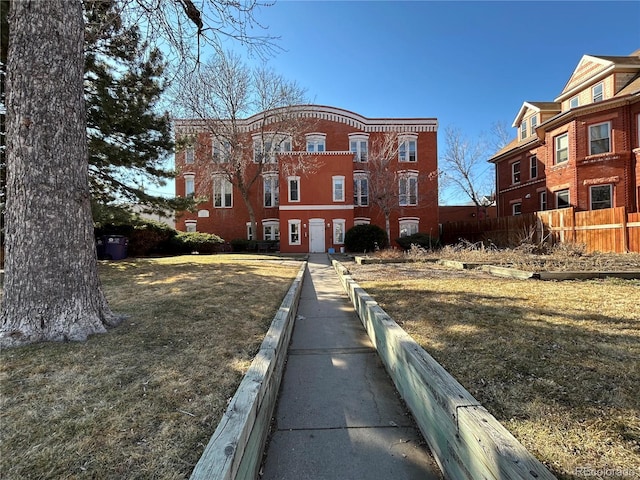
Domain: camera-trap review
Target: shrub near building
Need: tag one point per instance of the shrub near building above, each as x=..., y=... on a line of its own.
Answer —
x=365, y=238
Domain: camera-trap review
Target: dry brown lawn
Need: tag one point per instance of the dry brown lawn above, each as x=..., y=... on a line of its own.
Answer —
x=142, y=400
x=558, y=363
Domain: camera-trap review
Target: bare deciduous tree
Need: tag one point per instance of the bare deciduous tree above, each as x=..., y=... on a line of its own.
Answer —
x=464, y=167
x=391, y=184
x=251, y=115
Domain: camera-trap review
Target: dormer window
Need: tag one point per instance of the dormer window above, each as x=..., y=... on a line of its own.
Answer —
x=523, y=130
x=597, y=93
x=534, y=124
x=316, y=142
x=574, y=102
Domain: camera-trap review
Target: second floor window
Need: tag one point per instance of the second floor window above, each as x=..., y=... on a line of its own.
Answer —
x=408, y=190
x=361, y=191
x=599, y=138
x=189, y=185
x=562, y=148
x=338, y=189
x=271, y=197
x=515, y=172
x=294, y=189
x=222, y=193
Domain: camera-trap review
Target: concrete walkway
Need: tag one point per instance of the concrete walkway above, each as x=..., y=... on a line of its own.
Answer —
x=338, y=414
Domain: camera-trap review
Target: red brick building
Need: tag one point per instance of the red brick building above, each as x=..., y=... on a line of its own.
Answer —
x=582, y=149
x=311, y=208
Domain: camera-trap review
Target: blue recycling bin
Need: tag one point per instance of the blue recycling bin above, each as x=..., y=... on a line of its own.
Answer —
x=114, y=247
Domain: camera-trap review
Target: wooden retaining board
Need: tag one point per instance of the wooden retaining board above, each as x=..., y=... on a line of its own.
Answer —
x=236, y=447
x=466, y=441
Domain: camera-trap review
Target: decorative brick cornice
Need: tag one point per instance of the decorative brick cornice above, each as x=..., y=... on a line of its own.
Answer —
x=319, y=112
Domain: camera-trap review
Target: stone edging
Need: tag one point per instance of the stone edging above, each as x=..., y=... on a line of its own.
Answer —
x=236, y=447
x=465, y=439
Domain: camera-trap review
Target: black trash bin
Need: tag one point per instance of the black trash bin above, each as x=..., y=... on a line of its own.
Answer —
x=114, y=247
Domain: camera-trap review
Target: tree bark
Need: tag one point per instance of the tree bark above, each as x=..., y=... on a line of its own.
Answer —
x=51, y=290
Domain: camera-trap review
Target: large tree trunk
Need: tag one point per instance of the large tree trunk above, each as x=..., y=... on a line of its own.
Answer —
x=51, y=289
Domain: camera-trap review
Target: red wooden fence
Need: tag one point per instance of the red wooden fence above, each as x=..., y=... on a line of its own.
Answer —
x=607, y=230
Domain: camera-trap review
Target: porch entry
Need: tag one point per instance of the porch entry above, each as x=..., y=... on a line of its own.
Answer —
x=316, y=235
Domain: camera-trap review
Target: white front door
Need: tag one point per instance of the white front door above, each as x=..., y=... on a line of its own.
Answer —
x=316, y=235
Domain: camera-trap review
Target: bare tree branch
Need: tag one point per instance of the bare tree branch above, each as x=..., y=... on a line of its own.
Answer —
x=252, y=118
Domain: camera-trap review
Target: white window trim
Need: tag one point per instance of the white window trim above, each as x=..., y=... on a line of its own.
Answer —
x=274, y=223
x=533, y=123
x=291, y=223
x=189, y=155
x=189, y=184
x=599, y=186
x=289, y=180
x=408, y=222
x=360, y=154
x=408, y=176
x=514, y=173
x=593, y=92
x=276, y=142
x=272, y=179
x=542, y=201
x=316, y=139
x=357, y=189
x=518, y=206
x=220, y=151
x=523, y=130
x=250, y=234
x=404, y=140
x=190, y=225
x=335, y=181
x=336, y=223
x=555, y=148
x=361, y=221
x=225, y=184
x=609, y=137
x=577, y=102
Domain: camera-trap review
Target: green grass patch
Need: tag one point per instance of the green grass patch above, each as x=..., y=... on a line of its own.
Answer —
x=142, y=400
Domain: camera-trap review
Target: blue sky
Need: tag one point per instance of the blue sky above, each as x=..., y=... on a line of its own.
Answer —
x=469, y=64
